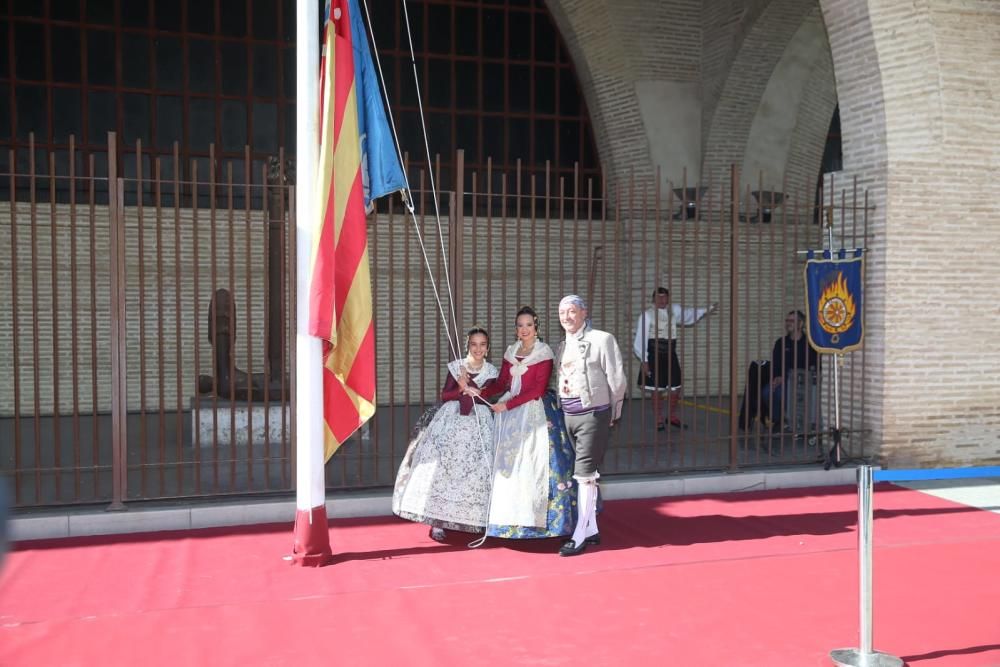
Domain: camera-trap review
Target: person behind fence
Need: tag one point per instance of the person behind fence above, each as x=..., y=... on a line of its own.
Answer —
x=444, y=478
x=532, y=492
x=790, y=397
x=591, y=386
x=656, y=347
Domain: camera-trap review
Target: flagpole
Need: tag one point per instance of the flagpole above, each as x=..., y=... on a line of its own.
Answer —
x=838, y=359
x=312, y=537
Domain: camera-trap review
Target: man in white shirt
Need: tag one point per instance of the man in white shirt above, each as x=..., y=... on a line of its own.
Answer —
x=656, y=346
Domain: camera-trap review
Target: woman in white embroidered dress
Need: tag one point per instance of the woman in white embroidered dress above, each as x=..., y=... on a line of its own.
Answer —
x=532, y=486
x=444, y=479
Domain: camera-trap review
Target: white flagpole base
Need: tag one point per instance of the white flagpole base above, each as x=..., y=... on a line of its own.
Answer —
x=855, y=657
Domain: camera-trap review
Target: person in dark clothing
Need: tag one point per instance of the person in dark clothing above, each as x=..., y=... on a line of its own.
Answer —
x=792, y=387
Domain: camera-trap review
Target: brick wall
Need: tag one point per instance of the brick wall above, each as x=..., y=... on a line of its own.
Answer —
x=916, y=84
x=509, y=262
x=729, y=49
x=746, y=81
x=911, y=82
x=941, y=371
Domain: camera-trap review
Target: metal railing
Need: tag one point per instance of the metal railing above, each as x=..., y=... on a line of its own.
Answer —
x=865, y=655
x=149, y=332
x=151, y=340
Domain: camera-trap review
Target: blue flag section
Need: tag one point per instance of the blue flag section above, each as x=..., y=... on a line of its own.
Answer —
x=835, y=299
x=381, y=172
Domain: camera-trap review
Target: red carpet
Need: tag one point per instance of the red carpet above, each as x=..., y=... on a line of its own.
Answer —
x=752, y=579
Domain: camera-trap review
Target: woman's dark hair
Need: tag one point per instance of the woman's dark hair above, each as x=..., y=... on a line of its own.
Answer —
x=528, y=310
x=472, y=332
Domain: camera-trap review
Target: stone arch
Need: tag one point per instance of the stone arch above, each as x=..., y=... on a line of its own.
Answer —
x=618, y=49
x=787, y=111
x=808, y=138
x=590, y=31
x=859, y=89
x=725, y=26
x=747, y=85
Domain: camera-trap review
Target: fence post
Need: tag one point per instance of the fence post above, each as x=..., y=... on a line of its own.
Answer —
x=864, y=656
x=734, y=226
x=118, y=331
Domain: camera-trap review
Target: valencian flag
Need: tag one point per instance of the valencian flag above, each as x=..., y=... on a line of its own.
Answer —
x=357, y=163
x=835, y=298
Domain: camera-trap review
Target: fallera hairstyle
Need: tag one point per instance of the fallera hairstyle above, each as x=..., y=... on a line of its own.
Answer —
x=528, y=310
x=472, y=332
x=659, y=290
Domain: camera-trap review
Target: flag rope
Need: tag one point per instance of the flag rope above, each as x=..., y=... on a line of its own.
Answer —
x=430, y=171
x=452, y=333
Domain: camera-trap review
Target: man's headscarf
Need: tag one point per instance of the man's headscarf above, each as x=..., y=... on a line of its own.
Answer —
x=576, y=300
x=573, y=300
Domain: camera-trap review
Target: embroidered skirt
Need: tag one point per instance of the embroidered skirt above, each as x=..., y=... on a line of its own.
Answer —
x=533, y=490
x=444, y=479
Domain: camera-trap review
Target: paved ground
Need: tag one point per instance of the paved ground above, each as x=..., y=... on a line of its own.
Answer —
x=981, y=493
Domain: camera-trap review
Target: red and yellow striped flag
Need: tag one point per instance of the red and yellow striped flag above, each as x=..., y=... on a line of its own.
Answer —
x=340, y=296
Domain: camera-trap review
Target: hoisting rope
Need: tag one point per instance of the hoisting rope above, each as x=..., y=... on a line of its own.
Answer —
x=452, y=332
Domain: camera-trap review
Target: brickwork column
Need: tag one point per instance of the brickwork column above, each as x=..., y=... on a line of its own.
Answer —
x=917, y=88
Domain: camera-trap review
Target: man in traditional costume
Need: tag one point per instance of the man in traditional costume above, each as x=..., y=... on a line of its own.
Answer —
x=591, y=387
x=656, y=346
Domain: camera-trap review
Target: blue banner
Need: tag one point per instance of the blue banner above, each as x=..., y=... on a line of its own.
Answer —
x=381, y=172
x=835, y=300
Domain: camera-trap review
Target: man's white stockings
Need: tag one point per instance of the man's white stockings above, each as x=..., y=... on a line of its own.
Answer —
x=586, y=505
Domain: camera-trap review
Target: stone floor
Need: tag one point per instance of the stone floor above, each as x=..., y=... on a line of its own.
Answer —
x=184, y=515
x=72, y=463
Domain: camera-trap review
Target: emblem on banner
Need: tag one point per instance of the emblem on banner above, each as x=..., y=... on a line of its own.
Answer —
x=834, y=299
x=836, y=308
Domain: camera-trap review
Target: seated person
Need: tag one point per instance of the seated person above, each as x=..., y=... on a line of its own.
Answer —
x=794, y=365
x=758, y=375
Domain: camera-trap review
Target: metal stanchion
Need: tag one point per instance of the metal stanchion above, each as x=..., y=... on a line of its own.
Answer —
x=864, y=656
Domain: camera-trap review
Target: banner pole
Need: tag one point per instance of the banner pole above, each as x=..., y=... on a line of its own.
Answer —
x=833, y=459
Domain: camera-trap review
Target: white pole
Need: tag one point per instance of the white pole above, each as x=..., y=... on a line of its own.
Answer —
x=312, y=541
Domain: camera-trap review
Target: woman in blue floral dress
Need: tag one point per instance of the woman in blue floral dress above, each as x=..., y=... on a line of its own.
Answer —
x=533, y=493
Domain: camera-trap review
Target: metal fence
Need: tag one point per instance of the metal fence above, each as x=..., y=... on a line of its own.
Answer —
x=513, y=236
x=150, y=330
